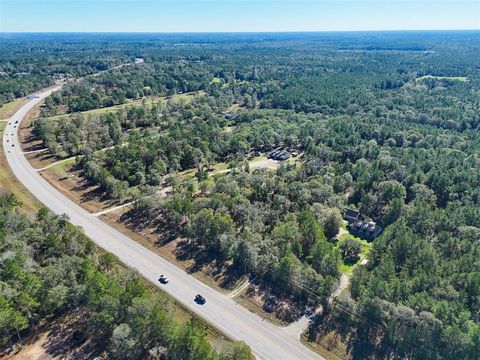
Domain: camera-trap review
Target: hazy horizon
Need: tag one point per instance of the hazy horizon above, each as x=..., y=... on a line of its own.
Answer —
x=236, y=16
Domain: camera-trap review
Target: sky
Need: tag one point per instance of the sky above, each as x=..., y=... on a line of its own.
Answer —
x=236, y=15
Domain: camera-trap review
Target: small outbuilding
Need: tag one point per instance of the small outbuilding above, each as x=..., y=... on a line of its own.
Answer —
x=230, y=116
x=351, y=215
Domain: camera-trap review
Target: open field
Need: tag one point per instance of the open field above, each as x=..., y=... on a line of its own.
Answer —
x=458, y=78
x=259, y=162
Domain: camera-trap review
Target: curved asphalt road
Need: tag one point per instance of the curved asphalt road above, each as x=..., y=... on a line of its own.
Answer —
x=266, y=340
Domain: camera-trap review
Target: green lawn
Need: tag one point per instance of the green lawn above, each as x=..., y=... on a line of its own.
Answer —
x=458, y=78
x=366, y=248
x=60, y=169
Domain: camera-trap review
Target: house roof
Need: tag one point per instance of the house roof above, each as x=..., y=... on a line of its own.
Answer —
x=353, y=214
x=364, y=228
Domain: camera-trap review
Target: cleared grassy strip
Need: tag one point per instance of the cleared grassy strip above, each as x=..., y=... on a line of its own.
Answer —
x=60, y=169
x=8, y=109
x=458, y=78
x=148, y=101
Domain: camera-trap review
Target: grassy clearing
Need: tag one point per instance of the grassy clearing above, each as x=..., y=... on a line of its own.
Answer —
x=10, y=184
x=366, y=248
x=457, y=78
x=221, y=166
x=8, y=109
x=61, y=169
x=148, y=101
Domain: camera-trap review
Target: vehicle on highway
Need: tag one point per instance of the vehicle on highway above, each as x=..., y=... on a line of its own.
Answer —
x=163, y=279
x=16, y=122
x=199, y=299
x=13, y=145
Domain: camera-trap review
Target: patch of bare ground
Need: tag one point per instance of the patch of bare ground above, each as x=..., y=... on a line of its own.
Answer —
x=59, y=339
x=158, y=236
x=270, y=306
x=264, y=164
x=78, y=189
x=235, y=108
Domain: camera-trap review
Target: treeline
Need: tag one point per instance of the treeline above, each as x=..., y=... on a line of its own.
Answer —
x=50, y=268
x=19, y=85
x=133, y=82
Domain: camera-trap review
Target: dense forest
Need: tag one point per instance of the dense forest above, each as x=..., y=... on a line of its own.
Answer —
x=385, y=123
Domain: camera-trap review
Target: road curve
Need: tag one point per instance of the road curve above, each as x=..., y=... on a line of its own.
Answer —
x=266, y=340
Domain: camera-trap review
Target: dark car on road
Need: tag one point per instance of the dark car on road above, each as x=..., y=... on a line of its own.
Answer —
x=199, y=299
x=163, y=279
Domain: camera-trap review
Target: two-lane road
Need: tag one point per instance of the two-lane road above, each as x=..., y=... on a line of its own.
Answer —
x=266, y=340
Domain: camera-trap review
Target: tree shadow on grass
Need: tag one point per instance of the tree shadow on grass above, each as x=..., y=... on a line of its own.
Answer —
x=225, y=274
